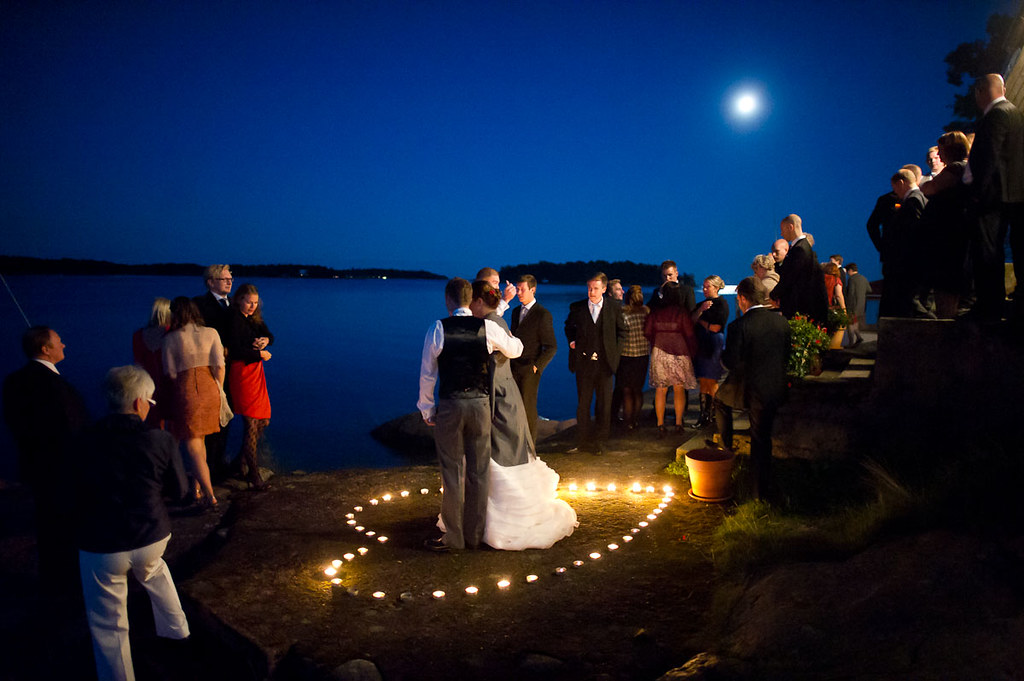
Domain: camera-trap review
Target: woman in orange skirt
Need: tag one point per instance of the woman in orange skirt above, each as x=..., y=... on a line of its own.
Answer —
x=193, y=361
x=248, y=338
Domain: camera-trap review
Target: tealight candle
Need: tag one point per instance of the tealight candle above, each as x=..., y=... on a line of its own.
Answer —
x=472, y=590
x=371, y=533
x=634, y=530
x=559, y=570
x=636, y=487
x=591, y=486
x=348, y=556
x=503, y=584
x=362, y=550
x=382, y=539
x=577, y=563
x=642, y=523
x=359, y=528
x=438, y=594
x=336, y=581
x=350, y=522
x=667, y=489
x=336, y=563
x=663, y=505
x=650, y=488
x=379, y=595
x=595, y=555
x=611, y=487
x=373, y=502
x=405, y=492
x=358, y=509
x=386, y=497
x=531, y=578
x=573, y=487
x=627, y=537
x=331, y=571
x=350, y=515
x=612, y=547
x=424, y=491
x=651, y=516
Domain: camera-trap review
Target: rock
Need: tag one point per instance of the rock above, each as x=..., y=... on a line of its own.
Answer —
x=540, y=664
x=707, y=667
x=356, y=670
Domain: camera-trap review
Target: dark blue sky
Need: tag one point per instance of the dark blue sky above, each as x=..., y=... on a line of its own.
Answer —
x=450, y=135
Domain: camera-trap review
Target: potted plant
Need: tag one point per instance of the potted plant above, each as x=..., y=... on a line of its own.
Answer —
x=807, y=340
x=836, y=325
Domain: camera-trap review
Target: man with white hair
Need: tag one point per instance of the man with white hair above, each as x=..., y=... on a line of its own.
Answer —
x=125, y=470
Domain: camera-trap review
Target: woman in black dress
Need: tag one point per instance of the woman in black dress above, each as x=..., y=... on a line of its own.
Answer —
x=710, y=318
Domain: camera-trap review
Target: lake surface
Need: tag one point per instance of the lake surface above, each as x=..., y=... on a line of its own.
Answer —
x=346, y=356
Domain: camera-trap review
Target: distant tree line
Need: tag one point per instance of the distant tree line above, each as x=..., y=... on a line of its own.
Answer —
x=24, y=265
x=578, y=272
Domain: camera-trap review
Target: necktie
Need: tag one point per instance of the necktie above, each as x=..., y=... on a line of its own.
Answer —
x=224, y=303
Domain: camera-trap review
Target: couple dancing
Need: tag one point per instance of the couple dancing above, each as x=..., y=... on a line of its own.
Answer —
x=496, y=490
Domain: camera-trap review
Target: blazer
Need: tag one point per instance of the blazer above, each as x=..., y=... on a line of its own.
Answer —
x=997, y=156
x=878, y=230
x=537, y=332
x=214, y=315
x=903, y=234
x=756, y=353
x=688, y=304
x=801, y=286
x=44, y=413
x=608, y=334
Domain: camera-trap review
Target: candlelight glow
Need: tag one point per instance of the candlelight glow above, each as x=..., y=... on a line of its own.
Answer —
x=373, y=502
x=559, y=570
x=362, y=550
x=503, y=584
x=636, y=487
x=358, y=509
x=650, y=488
x=591, y=486
x=634, y=530
x=350, y=522
x=371, y=533
x=350, y=515
x=336, y=563
x=347, y=556
x=336, y=581
x=611, y=487
x=642, y=523
x=359, y=528
x=573, y=487
x=386, y=497
x=531, y=578
x=595, y=555
x=612, y=547
x=438, y=594
x=405, y=492
x=472, y=590
x=382, y=539
x=627, y=537
x=651, y=516
x=424, y=491
x=667, y=489
x=379, y=594
x=331, y=571
x=577, y=563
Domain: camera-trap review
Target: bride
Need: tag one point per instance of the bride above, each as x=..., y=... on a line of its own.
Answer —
x=523, y=510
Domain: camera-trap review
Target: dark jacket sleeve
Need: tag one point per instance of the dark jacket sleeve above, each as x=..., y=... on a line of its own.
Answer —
x=241, y=334
x=549, y=343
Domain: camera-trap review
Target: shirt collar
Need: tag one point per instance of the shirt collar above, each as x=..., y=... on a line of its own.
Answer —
x=529, y=305
x=802, y=236
x=48, y=364
x=462, y=312
x=992, y=104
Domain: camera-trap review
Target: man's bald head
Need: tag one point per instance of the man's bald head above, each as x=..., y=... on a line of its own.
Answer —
x=987, y=89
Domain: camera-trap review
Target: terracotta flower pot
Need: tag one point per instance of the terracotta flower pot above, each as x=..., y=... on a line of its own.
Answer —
x=710, y=474
x=837, y=339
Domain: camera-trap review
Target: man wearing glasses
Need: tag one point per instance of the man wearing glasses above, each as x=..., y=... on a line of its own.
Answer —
x=215, y=306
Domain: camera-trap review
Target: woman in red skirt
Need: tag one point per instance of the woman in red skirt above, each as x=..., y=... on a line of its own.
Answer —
x=248, y=338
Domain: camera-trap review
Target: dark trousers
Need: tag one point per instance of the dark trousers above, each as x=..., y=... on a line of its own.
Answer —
x=762, y=419
x=529, y=384
x=898, y=289
x=463, y=440
x=593, y=378
x=987, y=250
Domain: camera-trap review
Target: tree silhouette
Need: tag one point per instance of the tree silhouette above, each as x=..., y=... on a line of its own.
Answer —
x=972, y=60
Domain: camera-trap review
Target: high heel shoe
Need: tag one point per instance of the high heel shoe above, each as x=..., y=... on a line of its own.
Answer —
x=661, y=432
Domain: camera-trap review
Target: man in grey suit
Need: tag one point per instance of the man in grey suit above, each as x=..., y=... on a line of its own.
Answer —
x=856, y=292
x=995, y=172
x=595, y=332
x=532, y=324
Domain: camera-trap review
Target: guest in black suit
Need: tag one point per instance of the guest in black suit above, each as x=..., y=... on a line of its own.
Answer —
x=801, y=286
x=996, y=175
x=756, y=350
x=125, y=469
x=595, y=332
x=669, y=272
x=215, y=307
x=532, y=324
x=45, y=413
x=902, y=273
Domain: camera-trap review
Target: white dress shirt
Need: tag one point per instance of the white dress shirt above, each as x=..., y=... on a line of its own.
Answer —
x=497, y=339
x=48, y=364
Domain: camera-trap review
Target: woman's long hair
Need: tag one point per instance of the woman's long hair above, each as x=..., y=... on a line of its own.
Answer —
x=248, y=290
x=487, y=294
x=184, y=311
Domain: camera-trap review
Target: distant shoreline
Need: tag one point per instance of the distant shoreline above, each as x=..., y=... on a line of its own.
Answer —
x=10, y=264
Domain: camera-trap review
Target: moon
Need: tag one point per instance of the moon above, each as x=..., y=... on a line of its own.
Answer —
x=746, y=104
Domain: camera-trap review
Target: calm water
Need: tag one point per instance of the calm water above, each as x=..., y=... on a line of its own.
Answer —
x=346, y=357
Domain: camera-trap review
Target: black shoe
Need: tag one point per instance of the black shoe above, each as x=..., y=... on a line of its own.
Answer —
x=436, y=545
x=661, y=432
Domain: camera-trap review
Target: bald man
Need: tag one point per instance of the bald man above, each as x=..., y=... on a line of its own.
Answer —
x=995, y=173
x=801, y=286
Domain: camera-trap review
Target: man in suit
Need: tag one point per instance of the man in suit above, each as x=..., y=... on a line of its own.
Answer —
x=756, y=351
x=901, y=268
x=532, y=324
x=215, y=307
x=995, y=172
x=595, y=332
x=801, y=286
x=856, y=294
x=45, y=414
x=669, y=272
x=456, y=351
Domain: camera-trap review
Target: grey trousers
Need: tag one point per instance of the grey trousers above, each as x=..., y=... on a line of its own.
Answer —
x=463, y=440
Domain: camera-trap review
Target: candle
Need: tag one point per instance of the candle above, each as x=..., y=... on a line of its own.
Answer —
x=573, y=487
x=642, y=523
x=591, y=486
x=636, y=487
x=358, y=509
x=650, y=488
x=362, y=550
x=611, y=487
x=531, y=578
x=350, y=522
x=405, y=492
x=336, y=581
x=472, y=590
x=359, y=528
x=382, y=539
x=634, y=530
x=503, y=584
x=379, y=595
x=331, y=571
x=559, y=570
x=386, y=497
x=612, y=547
x=336, y=563
x=350, y=515
x=347, y=556
x=627, y=537
x=371, y=533
x=577, y=563
x=424, y=491
x=595, y=555
x=667, y=489
x=651, y=516
x=438, y=594
x=373, y=502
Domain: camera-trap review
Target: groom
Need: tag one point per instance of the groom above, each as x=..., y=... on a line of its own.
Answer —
x=455, y=358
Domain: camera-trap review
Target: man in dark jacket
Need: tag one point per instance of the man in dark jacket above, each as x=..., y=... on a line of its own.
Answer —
x=756, y=350
x=801, y=286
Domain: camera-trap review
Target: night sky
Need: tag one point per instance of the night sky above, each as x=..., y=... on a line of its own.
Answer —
x=450, y=135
